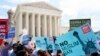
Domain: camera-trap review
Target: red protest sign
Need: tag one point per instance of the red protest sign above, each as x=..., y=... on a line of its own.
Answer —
x=4, y=26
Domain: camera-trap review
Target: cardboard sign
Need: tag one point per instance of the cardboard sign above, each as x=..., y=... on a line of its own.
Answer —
x=41, y=43
x=82, y=39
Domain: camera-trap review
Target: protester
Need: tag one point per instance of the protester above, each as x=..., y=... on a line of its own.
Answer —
x=96, y=53
x=21, y=53
x=6, y=48
x=42, y=53
x=34, y=53
x=59, y=53
x=14, y=47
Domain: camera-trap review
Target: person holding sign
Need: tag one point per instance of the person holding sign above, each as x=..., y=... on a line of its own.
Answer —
x=6, y=47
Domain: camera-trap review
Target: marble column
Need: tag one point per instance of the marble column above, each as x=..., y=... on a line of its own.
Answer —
x=27, y=22
x=45, y=25
x=50, y=26
x=55, y=19
x=33, y=25
x=39, y=25
x=20, y=23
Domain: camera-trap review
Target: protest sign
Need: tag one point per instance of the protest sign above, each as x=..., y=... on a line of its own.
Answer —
x=3, y=29
x=69, y=45
x=82, y=39
x=56, y=46
x=40, y=43
x=74, y=23
x=4, y=26
x=50, y=43
x=87, y=38
x=11, y=33
x=25, y=39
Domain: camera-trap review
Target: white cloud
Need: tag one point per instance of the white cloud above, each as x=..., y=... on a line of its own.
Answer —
x=2, y=17
x=7, y=7
x=25, y=1
x=82, y=9
x=71, y=7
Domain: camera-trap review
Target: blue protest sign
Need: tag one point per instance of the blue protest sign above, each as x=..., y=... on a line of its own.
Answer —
x=25, y=39
x=87, y=38
x=82, y=39
x=40, y=43
x=11, y=33
x=56, y=46
x=69, y=45
x=50, y=43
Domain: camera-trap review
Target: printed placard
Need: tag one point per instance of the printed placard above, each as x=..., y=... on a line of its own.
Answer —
x=82, y=39
x=40, y=43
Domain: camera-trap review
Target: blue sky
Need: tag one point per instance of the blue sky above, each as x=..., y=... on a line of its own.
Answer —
x=71, y=9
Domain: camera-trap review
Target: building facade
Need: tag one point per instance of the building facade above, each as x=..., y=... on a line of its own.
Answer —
x=64, y=29
x=39, y=18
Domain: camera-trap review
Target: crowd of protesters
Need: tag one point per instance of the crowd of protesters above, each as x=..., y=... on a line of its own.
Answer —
x=18, y=49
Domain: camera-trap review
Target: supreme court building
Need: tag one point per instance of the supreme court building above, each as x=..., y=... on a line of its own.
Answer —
x=39, y=18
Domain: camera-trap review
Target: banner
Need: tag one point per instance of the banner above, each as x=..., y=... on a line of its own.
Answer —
x=41, y=43
x=82, y=39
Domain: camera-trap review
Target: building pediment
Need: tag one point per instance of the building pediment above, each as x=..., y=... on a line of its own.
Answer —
x=41, y=5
